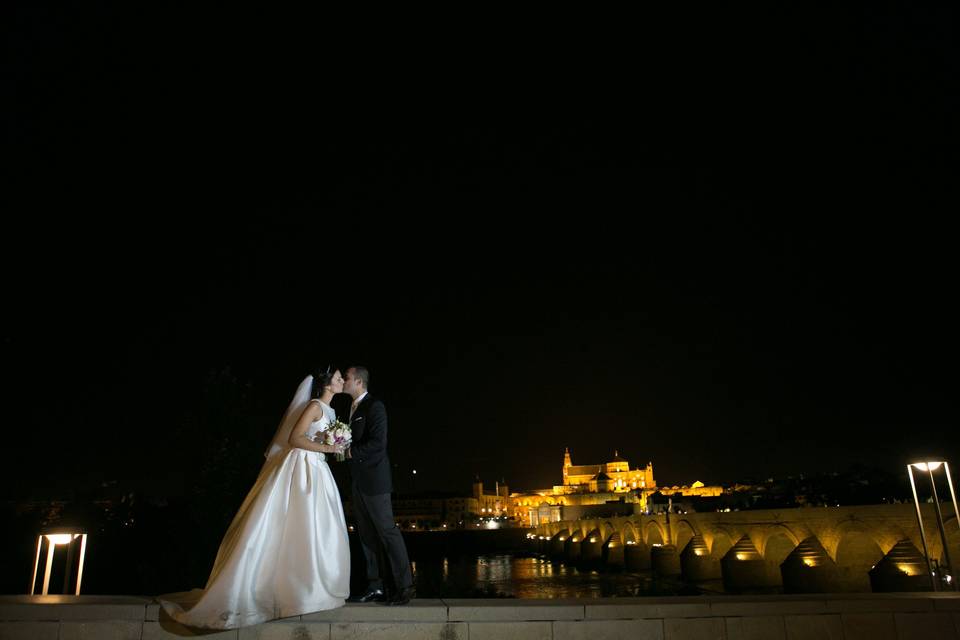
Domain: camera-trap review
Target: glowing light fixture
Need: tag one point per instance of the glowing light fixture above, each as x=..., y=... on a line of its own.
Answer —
x=931, y=466
x=53, y=540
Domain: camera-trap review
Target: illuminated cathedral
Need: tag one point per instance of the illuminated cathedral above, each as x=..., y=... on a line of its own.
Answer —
x=614, y=476
x=607, y=485
x=584, y=486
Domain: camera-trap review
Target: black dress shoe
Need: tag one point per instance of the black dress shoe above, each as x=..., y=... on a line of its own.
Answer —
x=372, y=595
x=402, y=597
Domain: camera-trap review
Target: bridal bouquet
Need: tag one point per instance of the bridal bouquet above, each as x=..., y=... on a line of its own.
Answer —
x=338, y=433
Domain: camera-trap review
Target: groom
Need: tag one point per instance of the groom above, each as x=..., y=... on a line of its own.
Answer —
x=371, y=483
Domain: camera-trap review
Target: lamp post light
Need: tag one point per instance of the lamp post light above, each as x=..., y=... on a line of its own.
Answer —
x=56, y=538
x=929, y=467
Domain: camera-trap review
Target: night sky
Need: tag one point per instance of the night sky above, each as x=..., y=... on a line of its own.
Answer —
x=734, y=260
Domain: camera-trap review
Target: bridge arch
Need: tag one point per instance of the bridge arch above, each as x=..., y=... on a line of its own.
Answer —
x=653, y=533
x=857, y=551
x=857, y=544
x=952, y=527
x=607, y=529
x=780, y=536
x=721, y=534
x=629, y=533
x=720, y=542
x=778, y=543
x=683, y=532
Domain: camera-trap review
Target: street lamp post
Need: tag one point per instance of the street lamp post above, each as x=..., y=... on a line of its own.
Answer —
x=929, y=467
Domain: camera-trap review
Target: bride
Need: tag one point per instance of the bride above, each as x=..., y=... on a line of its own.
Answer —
x=286, y=552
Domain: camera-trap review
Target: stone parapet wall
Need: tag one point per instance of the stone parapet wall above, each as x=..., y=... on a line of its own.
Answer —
x=801, y=617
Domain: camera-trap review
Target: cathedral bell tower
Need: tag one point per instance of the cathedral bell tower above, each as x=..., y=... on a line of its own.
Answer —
x=567, y=463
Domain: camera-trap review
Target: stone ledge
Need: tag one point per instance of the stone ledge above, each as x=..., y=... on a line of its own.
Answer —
x=878, y=603
x=767, y=608
x=607, y=629
x=419, y=610
x=846, y=616
x=868, y=626
x=946, y=602
x=539, y=630
x=294, y=630
x=633, y=608
x=29, y=630
x=73, y=608
x=689, y=628
x=814, y=627
x=924, y=626
x=398, y=631
x=505, y=610
x=756, y=628
x=155, y=631
x=101, y=630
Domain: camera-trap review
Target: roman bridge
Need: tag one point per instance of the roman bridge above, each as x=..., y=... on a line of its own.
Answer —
x=862, y=548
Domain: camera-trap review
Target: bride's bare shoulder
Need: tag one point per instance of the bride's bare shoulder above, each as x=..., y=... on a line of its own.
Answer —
x=313, y=408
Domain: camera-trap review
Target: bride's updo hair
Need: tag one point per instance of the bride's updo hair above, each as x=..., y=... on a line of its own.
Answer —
x=321, y=378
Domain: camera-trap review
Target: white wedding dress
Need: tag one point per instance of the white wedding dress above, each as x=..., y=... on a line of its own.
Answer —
x=286, y=552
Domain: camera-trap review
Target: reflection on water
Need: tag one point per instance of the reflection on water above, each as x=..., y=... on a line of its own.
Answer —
x=523, y=576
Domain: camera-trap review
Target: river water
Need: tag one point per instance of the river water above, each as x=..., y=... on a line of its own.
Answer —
x=530, y=576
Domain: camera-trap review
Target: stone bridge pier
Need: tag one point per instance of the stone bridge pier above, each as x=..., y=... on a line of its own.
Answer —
x=807, y=550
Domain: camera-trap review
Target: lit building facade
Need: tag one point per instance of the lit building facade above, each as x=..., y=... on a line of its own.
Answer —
x=606, y=488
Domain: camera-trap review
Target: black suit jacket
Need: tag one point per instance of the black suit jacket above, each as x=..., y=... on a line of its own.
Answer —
x=369, y=464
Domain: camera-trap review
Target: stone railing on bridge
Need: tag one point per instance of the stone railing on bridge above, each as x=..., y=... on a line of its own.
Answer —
x=808, y=550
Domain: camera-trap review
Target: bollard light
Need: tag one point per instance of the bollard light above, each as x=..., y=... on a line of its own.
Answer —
x=52, y=539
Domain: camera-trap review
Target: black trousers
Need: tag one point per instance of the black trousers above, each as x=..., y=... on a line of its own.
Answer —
x=378, y=532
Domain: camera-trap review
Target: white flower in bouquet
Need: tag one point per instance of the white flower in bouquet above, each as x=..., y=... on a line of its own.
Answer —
x=338, y=433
